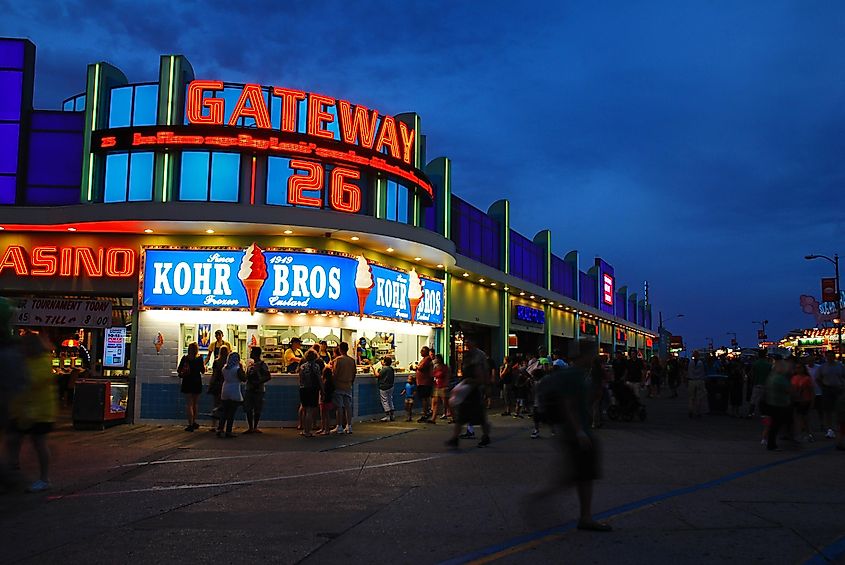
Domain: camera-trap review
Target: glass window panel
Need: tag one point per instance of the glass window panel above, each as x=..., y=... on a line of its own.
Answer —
x=120, y=107
x=146, y=105
x=275, y=112
x=116, y=168
x=194, y=182
x=141, y=177
x=68, y=106
x=79, y=103
x=225, y=174
x=402, y=215
x=230, y=95
x=278, y=171
x=7, y=190
x=390, y=211
x=11, y=83
x=9, y=148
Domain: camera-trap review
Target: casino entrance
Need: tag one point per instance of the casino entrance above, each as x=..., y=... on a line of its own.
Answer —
x=88, y=339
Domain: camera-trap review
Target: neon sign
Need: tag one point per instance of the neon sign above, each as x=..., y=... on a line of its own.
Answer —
x=51, y=260
x=356, y=129
x=530, y=315
x=607, y=289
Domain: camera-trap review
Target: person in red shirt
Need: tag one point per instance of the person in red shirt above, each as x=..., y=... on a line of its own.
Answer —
x=425, y=384
x=802, y=399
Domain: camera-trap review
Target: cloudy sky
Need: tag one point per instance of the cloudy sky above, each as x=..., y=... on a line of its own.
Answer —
x=696, y=145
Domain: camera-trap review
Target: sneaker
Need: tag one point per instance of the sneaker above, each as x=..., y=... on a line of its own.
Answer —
x=830, y=434
x=336, y=430
x=196, y=426
x=485, y=441
x=189, y=428
x=535, y=434
x=38, y=486
x=452, y=442
x=347, y=430
x=422, y=420
x=385, y=419
x=763, y=442
x=467, y=435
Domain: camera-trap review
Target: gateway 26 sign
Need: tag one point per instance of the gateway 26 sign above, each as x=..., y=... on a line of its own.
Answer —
x=255, y=278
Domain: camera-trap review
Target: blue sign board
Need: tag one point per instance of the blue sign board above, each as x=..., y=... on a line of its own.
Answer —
x=530, y=315
x=258, y=279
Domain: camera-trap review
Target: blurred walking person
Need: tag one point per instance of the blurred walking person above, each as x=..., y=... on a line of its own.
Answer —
x=32, y=411
x=564, y=396
x=831, y=377
x=697, y=390
x=778, y=402
x=471, y=410
x=802, y=400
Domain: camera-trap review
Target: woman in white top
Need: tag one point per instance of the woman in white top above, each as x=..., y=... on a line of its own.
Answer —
x=233, y=376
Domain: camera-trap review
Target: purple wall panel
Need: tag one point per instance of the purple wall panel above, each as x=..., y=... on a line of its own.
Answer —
x=52, y=196
x=55, y=159
x=563, y=277
x=11, y=53
x=58, y=121
x=588, y=290
x=9, y=148
x=11, y=84
x=7, y=190
x=621, y=302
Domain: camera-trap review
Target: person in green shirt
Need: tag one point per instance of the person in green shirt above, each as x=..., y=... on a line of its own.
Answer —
x=778, y=401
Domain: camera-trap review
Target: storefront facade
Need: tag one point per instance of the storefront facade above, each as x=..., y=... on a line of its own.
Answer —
x=267, y=212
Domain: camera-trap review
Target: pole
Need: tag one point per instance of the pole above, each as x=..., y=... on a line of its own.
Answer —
x=838, y=306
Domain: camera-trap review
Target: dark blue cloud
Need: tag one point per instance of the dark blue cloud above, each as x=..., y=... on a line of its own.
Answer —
x=694, y=145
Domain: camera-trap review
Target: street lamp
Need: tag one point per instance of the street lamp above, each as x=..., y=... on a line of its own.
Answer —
x=838, y=320
x=763, y=324
x=734, y=342
x=662, y=348
x=709, y=342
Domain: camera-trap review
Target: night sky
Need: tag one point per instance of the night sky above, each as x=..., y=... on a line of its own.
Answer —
x=699, y=146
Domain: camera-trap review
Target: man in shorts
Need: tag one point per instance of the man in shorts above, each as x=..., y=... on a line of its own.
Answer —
x=563, y=395
x=343, y=374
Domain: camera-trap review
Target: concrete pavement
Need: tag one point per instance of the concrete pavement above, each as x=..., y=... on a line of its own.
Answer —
x=675, y=489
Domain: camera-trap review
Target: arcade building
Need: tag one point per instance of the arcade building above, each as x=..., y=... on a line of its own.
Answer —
x=144, y=216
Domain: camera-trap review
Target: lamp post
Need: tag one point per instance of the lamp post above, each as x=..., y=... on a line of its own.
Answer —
x=734, y=342
x=763, y=324
x=662, y=347
x=838, y=320
x=709, y=343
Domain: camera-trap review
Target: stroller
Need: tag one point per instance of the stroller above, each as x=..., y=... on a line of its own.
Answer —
x=624, y=403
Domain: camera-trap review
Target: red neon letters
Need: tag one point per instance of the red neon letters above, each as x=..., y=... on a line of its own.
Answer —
x=607, y=289
x=49, y=260
x=343, y=196
x=357, y=126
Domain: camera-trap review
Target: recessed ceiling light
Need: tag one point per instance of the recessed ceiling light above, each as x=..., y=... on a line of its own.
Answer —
x=148, y=230
x=71, y=229
x=492, y=284
x=532, y=297
x=439, y=266
x=481, y=280
x=354, y=238
x=551, y=303
x=302, y=313
x=543, y=300
x=390, y=250
x=209, y=231
x=417, y=258
x=309, y=250
x=466, y=274
x=287, y=232
x=522, y=294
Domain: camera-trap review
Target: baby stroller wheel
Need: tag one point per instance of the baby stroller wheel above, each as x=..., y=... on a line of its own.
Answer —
x=642, y=414
x=627, y=416
x=613, y=412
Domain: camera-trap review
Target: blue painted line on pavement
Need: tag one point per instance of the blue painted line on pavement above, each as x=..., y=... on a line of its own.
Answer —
x=650, y=500
x=828, y=553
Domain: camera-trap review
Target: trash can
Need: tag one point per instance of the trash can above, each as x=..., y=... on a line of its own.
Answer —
x=717, y=393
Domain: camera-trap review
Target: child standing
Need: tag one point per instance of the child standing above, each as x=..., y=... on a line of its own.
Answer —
x=408, y=393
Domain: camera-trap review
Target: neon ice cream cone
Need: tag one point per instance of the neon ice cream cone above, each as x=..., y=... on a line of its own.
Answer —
x=159, y=341
x=252, y=274
x=364, y=283
x=414, y=292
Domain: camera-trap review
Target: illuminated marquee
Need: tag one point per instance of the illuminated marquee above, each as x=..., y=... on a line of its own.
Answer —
x=54, y=261
x=607, y=289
